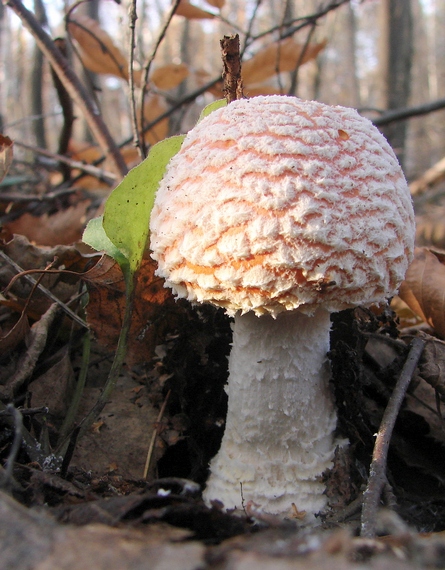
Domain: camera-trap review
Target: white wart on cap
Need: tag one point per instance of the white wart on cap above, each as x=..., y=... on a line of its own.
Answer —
x=275, y=203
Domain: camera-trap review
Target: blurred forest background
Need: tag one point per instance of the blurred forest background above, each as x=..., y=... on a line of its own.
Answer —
x=374, y=55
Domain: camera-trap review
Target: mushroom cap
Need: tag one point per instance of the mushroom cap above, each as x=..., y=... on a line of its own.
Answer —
x=275, y=203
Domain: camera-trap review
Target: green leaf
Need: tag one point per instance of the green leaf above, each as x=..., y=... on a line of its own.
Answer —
x=128, y=208
x=212, y=107
x=95, y=236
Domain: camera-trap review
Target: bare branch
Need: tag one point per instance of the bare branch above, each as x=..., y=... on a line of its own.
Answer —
x=377, y=470
x=72, y=84
x=408, y=112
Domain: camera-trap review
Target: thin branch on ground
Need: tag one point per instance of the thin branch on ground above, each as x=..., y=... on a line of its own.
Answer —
x=377, y=471
x=155, y=435
x=44, y=290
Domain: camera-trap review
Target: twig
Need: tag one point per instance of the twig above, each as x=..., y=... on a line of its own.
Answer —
x=408, y=112
x=44, y=290
x=33, y=449
x=233, y=83
x=377, y=470
x=154, y=436
x=304, y=21
x=132, y=16
x=72, y=84
x=108, y=177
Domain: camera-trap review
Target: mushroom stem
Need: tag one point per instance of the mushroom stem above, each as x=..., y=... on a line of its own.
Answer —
x=278, y=439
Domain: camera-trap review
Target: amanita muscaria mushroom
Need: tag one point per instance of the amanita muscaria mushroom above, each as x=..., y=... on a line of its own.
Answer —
x=281, y=211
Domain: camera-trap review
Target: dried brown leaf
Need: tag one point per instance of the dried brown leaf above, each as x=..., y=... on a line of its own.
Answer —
x=15, y=336
x=36, y=343
x=169, y=76
x=216, y=3
x=6, y=154
x=97, y=49
x=155, y=311
x=54, y=388
x=61, y=228
x=280, y=56
x=192, y=12
x=155, y=106
x=432, y=365
x=424, y=288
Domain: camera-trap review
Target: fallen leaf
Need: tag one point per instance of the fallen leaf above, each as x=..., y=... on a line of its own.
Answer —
x=280, y=56
x=36, y=343
x=216, y=3
x=424, y=288
x=6, y=154
x=169, y=76
x=54, y=388
x=61, y=228
x=97, y=50
x=155, y=310
x=432, y=365
x=192, y=12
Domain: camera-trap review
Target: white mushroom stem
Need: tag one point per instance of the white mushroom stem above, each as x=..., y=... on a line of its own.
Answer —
x=278, y=439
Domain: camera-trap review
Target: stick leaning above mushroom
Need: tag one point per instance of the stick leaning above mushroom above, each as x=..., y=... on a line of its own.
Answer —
x=281, y=211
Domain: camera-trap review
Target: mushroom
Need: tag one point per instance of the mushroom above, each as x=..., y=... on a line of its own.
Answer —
x=281, y=211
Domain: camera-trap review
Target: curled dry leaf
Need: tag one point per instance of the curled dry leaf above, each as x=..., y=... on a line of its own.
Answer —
x=169, y=76
x=432, y=364
x=6, y=153
x=430, y=228
x=155, y=311
x=281, y=56
x=424, y=288
x=192, y=12
x=63, y=227
x=97, y=49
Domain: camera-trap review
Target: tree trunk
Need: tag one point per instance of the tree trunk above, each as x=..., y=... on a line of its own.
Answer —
x=395, y=61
